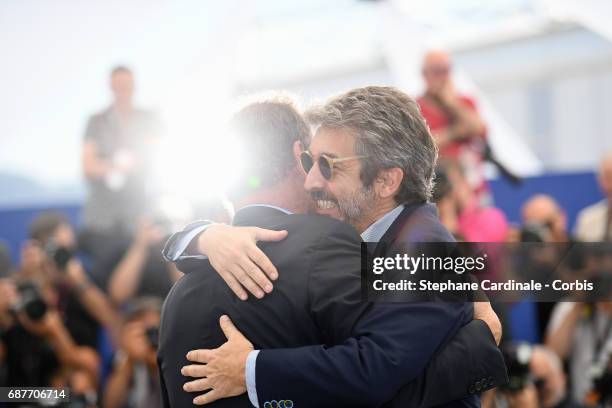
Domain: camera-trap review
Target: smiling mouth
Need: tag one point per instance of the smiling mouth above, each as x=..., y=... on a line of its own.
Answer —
x=325, y=204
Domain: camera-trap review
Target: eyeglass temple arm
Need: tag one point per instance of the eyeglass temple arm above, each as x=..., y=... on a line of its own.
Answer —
x=341, y=159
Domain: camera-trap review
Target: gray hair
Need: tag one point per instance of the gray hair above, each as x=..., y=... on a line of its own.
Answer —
x=390, y=131
x=266, y=128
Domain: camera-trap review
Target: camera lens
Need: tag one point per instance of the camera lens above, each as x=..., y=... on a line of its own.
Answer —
x=153, y=336
x=31, y=301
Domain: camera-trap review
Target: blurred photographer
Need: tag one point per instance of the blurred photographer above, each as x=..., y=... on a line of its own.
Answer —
x=544, y=225
x=134, y=382
x=544, y=220
x=580, y=334
x=536, y=379
x=141, y=270
x=50, y=257
x=456, y=125
x=50, y=311
x=39, y=349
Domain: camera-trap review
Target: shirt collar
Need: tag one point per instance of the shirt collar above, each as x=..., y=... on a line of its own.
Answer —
x=376, y=231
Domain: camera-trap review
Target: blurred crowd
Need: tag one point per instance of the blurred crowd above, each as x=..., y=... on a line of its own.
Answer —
x=572, y=366
x=81, y=308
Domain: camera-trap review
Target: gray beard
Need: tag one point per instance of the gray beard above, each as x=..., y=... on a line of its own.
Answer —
x=355, y=209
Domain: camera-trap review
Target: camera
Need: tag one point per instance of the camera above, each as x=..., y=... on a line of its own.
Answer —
x=152, y=334
x=517, y=357
x=30, y=301
x=535, y=232
x=603, y=387
x=60, y=255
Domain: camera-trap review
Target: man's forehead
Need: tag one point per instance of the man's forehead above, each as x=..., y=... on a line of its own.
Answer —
x=333, y=141
x=437, y=59
x=541, y=207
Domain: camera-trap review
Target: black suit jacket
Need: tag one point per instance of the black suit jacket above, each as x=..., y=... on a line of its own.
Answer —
x=316, y=300
x=468, y=364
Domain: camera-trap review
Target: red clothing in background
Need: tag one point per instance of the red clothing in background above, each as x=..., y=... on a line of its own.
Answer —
x=467, y=152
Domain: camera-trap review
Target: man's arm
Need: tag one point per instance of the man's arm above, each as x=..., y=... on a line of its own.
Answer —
x=233, y=253
x=560, y=330
x=469, y=364
x=69, y=354
x=126, y=276
x=490, y=354
x=93, y=299
x=466, y=122
x=391, y=346
x=118, y=384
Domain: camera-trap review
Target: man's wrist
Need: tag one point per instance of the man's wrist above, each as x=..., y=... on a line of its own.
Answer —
x=201, y=247
x=181, y=244
x=198, y=246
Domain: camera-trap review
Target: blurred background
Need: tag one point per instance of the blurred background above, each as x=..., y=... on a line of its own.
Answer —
x=537, y=72
x=541, y=72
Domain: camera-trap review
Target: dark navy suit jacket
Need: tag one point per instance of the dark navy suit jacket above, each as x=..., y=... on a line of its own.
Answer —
x=390, y=346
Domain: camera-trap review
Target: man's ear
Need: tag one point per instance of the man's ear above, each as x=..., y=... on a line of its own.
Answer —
x=298, y=148
x=388, y=182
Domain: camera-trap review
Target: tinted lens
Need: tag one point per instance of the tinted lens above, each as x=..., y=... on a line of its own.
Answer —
x=325, y=167
x=306, y=160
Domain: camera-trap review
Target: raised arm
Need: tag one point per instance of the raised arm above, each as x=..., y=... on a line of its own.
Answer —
x=232, y=251
x=93, y=299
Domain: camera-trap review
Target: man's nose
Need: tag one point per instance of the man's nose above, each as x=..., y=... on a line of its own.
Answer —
x=314, y=179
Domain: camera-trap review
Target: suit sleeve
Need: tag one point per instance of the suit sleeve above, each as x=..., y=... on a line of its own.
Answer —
x=162, y=385
x=474, y=354
x=389, y=344
x=176, y=246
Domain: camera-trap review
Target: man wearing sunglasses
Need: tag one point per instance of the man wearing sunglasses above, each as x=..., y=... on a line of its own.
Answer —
x=369, y=164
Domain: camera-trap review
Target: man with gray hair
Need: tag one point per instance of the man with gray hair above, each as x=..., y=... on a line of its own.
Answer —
x=370, y=164
x=384, y=129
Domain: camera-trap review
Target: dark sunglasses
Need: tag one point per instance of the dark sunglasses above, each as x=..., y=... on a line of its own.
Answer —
x=326, y=163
